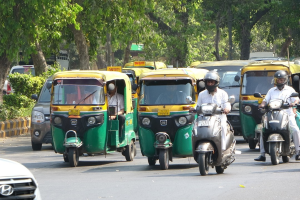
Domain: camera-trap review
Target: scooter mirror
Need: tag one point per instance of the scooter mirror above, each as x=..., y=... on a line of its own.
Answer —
x=231, y=99
x=257, y=94
x=294, y=94
x=296, y=78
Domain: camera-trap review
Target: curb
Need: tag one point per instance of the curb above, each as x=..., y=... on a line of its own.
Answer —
x=14, y=127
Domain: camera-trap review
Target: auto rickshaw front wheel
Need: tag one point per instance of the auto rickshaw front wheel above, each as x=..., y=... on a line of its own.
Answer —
x=73, y=156
x=164, y=158
x=130, y=151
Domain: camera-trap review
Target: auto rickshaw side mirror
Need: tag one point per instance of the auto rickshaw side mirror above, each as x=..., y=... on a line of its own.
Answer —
x=296, y=78
x=237, y=78
x=257, y=94
x=294, y=94
x=231, y=99
x=34, y=96
x=48, y=85
x=134, y=87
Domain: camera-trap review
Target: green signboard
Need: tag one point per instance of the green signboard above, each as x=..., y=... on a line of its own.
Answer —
x=137, y=47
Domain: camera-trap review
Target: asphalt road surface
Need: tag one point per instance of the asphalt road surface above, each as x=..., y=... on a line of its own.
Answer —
x=112, y=177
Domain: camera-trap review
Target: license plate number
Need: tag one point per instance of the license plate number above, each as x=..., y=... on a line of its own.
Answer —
x=203, y=123
x=74, y=112
x=163, y=112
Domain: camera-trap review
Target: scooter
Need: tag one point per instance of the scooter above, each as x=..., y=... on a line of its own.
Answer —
x=275, y=130
x=207, y=138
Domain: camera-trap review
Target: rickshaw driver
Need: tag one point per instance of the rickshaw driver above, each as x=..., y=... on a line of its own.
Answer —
x=282, y=91
x=171, y=96
x=213, y=94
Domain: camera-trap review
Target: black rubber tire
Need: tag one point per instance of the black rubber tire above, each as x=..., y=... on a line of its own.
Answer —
x=203, y=164
x=73, y=157
x=252, y=143
x=66, y=157
x=129, y=152
x=164, y=159
x=151, y=161
x=285, y=159
x=36, y=146
x=273, y=153
x=219, y=169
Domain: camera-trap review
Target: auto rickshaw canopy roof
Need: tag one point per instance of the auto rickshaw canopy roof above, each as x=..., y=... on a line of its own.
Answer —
x=196, y=63
x=137, y=71
x=173, y=73
x=263, y=66
x=226, y=63
x=148, y=64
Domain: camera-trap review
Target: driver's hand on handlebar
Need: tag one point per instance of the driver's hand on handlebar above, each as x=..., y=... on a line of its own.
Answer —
x=292, y=104
x=226, y=111
x=112, y=117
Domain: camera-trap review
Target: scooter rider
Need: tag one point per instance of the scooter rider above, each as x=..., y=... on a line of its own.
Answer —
x=282, y=91
x=213, y=94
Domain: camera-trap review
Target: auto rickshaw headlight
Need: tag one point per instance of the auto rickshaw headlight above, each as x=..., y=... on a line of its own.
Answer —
x=146, y=121
x=57, y=120
x=182, y=120
x=91, y=120
x=247, y=109
x=161, y=138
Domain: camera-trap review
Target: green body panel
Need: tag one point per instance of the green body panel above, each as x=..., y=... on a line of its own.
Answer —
x=58, y=138
x=135, y=115
x=182, y=145
x=248, y=126
x=147, y=139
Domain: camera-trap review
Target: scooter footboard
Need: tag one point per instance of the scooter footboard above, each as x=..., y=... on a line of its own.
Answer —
x=276, y=137
x=204, y=147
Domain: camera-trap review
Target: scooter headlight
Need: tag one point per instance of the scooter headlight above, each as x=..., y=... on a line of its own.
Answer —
x=161, y=138
x=275, y=104
x=248, y=109
x=146, y=121
x=91, y=120
x=207, y=109
x=182, y=120
x=57, y=120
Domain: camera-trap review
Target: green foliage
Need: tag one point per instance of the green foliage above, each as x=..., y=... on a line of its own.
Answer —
x=51, y=70
x=18, y=101
x=11, y=112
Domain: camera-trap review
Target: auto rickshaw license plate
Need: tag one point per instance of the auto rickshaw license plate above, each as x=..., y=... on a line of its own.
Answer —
x=203, y=123
x=163, y=112
x=74, y=112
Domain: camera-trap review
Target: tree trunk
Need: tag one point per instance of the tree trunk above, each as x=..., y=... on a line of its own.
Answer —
x=39, y=60
x=108, y=49
x=230, y=46
x=100, y=61
x=285, y=46
x=245, y=42
x=82, y=47
x=127, y=53
x=4, y=68
x=217, y=39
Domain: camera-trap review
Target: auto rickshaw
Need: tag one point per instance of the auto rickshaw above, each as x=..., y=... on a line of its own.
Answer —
x=196, y=63
x=82, y=121
x=256, y=78
x=227, y=71
x=165, y=124
x=146, y=64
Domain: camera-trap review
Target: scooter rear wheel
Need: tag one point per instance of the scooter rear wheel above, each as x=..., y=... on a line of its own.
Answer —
x=274, y=153
x=285, y=159
x=219, y=169
x=164, y=159
x=203, y=164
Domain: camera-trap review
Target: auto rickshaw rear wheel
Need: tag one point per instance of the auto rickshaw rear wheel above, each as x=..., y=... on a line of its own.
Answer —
x=151, y=161
x=203, y=163
x=219, y=169
x=285, y=159
x=164, y=158
x=129, y=151
x=66, y=158
x=73, y=157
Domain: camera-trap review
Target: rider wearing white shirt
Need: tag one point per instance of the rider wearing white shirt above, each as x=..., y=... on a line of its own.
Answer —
x=282, y=91
x=212, y=94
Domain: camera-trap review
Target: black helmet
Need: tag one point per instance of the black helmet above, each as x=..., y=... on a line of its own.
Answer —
x=280, y=74
x=211, y=76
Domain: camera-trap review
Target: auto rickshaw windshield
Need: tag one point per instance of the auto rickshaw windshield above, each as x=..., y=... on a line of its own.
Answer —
x=257, y=81
x=166, y=92
x=78, y=91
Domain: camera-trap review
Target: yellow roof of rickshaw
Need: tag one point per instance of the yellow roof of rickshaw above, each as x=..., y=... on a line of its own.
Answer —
x=194, y=64
x=104, y=75
x=195, y=74
x=226, y=63
x=138, y=71
x=159, y=65
x=268, y=66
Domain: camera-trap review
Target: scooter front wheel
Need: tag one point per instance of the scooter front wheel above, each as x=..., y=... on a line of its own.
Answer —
x=274, y=153
x=203, y=163
x=73, y=156
x=164, y=159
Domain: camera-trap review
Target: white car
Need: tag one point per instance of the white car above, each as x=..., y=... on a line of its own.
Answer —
x=17, y=182
x=22, y=69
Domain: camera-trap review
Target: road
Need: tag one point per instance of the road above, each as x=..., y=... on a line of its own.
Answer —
x=112, y=177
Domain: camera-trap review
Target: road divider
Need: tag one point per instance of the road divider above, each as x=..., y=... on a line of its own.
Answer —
x=14, y=127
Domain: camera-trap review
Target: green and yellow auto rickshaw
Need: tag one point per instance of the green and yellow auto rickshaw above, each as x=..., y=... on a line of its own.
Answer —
x=256, y=78
x=83, y=121
x=165, y=124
